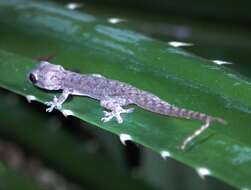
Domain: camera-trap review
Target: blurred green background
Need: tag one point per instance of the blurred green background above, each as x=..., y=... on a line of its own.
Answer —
x=48, y=151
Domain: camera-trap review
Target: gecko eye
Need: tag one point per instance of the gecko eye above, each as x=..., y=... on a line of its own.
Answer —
x=32, y=78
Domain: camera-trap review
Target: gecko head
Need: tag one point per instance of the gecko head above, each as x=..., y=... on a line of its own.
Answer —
x=47, y=76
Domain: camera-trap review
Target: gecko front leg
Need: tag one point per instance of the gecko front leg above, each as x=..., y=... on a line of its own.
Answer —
x=57, y=101
x=115, y=105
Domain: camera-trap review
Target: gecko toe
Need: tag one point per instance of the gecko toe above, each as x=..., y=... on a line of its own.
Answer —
x=106, y=113
x=105, y=119
x=119, y=119
x=55, y=99
x=110, y=115
x=52, y=105
x=49, y=109
x=130, y=110
x=58, y=106
x=48, y=103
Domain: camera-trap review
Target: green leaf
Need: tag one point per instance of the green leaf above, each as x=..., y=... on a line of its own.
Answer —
x=84, y=43
x=44, y=135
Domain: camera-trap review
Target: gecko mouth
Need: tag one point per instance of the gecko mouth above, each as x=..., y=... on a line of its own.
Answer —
x=32, y=78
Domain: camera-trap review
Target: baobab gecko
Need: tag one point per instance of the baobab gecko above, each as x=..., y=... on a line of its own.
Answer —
x=112, y=94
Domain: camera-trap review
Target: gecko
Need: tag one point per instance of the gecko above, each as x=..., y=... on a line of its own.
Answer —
x=113, y=95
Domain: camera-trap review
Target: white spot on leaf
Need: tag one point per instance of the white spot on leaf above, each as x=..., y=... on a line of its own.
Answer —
x=219, y=62
x=125, y=137
x=67, y=112
x=115, y=20
x=244, y=188
x=73, y=5
x=30, y=98
x=179, y=44
x=241, y=154
x=121, y=35
x=165, y=154
x=202, y=172
x=97, y=75
x=237, y=84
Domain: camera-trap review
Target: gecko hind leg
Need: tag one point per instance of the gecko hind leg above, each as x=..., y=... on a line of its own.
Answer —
x=115, y=105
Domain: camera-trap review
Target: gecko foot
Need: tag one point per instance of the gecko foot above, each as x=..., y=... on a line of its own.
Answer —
x=52, y=105
x=112, y=114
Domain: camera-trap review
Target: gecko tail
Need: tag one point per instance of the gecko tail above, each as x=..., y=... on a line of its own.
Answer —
x=154, y=104
x=219, y=120
x=208, y=121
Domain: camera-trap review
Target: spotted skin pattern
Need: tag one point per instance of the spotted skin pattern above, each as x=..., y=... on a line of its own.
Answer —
x=112, y=94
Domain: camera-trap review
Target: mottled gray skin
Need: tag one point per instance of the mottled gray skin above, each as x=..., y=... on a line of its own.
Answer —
x=113, y=95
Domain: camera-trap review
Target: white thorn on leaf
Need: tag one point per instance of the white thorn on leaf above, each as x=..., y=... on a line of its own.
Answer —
x=219, y=62
x=30, y=98
x=244, y=188
x=179, y=44
x=165, y=154
x=73, y=5
x=67, y=112
x=202, y=172
x=124, y=137
x=115, y=20
x=97, y=75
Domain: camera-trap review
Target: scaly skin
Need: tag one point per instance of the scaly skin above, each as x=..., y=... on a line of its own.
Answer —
x=112, y=94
